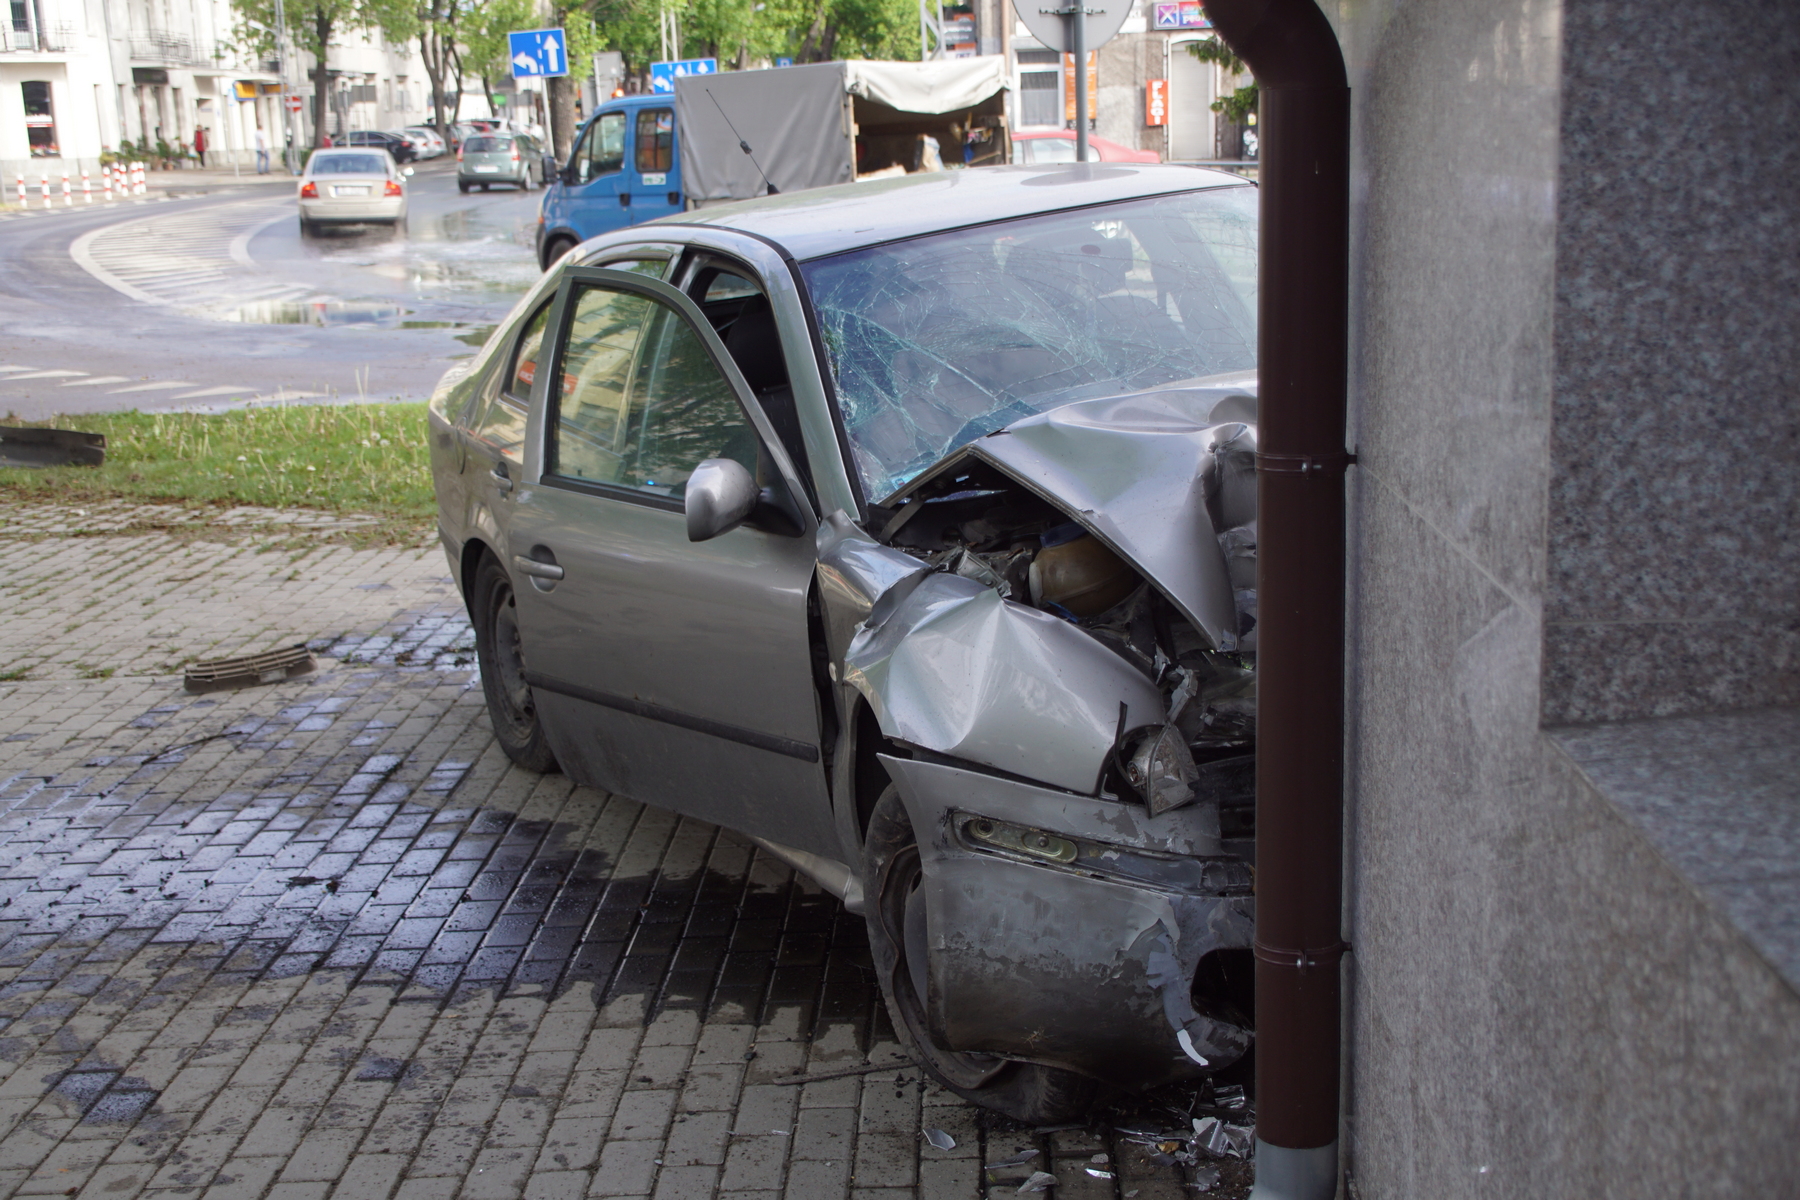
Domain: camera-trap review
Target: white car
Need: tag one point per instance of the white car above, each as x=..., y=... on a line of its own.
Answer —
x=352, y=186
x=425, y=140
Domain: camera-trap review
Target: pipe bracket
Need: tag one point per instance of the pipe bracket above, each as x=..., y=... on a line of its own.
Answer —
x=1318, y=956
x=1304, y=464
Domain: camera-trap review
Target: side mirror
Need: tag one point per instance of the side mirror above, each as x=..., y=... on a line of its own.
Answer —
x=719, y=495
x=407, y=171
x=549, y=168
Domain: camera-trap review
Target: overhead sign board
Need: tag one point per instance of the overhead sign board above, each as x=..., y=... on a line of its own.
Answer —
x=1181, y=14
x=538, y=53
x=1049, y=26
x=664, y=74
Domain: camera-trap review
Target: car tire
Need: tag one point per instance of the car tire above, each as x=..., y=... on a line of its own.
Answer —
x=484, y=187
x=308, y=229
x=462, y=187
x=511, y=708
x=1029, y=1092
x=554, y=249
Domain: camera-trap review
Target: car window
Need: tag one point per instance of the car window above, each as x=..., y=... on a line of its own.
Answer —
x=655, y=139
x=642, y=402
x=726, y=286
x=653, y=267
x=525, y=357
x=603, y=150
x=938, y=340
x=347, y=164
x=481, y=145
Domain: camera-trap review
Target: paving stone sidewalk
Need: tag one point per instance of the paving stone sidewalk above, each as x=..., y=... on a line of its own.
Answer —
x=321, y=939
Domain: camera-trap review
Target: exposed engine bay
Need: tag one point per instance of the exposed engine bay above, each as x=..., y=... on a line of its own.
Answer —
x=980, y=523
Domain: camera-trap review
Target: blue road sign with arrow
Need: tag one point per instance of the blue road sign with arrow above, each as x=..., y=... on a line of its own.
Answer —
x=664, y=74
x=538, y=53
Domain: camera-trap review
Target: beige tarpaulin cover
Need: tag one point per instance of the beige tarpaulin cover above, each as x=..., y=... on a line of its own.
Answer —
x=927, y=87
x=796, y=119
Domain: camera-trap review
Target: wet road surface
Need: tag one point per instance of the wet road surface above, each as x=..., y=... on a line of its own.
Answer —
x=218, y=299
x=322, y=938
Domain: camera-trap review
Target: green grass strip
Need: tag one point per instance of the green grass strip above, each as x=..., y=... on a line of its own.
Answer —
x=356, y=458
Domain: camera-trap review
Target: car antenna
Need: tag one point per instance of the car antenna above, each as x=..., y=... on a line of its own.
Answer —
x=743, y=145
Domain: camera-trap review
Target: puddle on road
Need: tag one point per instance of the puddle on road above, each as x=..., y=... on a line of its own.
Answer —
x=325, y=314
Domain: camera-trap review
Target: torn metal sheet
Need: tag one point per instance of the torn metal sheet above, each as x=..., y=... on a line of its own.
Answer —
x=960, y=670
x=1150, y=475
x=24, y=447
x=1049, y=961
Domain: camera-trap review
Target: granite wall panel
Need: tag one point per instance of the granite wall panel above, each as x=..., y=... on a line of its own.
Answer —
x=1676, y=489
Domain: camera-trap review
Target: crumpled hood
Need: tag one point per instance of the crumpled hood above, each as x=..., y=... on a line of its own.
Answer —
x=1157, y=476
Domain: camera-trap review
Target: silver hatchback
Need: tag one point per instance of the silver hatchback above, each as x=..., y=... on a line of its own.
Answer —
x=485, y=159
x=908, y=529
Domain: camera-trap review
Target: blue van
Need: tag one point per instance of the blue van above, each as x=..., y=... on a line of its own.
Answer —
x=625, y=170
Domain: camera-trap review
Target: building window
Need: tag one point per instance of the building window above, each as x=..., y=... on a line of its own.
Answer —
x=40, y=122
x=1040, y=88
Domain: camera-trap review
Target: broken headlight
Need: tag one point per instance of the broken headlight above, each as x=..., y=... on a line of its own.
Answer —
x=1162, y=769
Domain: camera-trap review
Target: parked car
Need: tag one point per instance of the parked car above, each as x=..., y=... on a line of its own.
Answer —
x=489, y=158
x=351, y=187
x=1058, y=146
x=908, y=529
x=426, y=141
x=393, y=143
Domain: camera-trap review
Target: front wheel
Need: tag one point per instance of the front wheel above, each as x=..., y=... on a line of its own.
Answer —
x=899, y=938
x=500, y=652
x=554, y=249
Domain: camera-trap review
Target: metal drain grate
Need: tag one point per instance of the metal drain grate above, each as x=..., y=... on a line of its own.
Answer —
x=247, y=670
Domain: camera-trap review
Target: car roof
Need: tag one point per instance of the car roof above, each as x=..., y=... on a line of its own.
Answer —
x=850, y=216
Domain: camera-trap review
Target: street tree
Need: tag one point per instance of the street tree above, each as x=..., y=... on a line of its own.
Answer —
x=312, y=24
x=486, y=53
x=1242, y=102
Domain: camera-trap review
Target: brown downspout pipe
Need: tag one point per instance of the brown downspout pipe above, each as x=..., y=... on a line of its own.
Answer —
x=1302, y=321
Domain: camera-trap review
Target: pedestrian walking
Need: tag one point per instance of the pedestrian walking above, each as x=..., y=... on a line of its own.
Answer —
x=262, y=152
x=200, y=143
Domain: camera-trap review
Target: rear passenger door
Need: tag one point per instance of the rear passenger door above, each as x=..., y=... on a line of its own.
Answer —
x=494, y=450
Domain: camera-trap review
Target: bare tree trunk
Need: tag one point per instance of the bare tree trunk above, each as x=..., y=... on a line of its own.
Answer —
x=321, y=75
x=562, y=116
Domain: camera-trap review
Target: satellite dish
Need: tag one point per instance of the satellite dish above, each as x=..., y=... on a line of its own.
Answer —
x=1103, y=21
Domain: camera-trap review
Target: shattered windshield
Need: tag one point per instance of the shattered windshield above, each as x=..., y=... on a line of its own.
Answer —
x=936, y=341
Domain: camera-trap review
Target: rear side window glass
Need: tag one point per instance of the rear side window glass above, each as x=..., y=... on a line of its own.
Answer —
x=603, y=150
x=655, y=139
x=525, y=359
x=653, y=267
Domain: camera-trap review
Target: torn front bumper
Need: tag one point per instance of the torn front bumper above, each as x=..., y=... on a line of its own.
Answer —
x=1088, y=963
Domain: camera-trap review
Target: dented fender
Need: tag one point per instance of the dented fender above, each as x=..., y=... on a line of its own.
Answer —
x=1053, y=965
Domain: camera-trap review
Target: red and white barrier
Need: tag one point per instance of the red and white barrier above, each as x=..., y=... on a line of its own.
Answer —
x=87, y=188
x=44, y=187
x=68, y=195
x=22, y=201
x=143, y=183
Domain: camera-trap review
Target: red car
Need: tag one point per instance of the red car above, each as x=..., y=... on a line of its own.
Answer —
x=1058, y=146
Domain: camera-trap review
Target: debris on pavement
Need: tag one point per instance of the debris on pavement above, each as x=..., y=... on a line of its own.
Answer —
x=248, y=670
x=29, y=447
x=1038, y=1182
x=940, y=1139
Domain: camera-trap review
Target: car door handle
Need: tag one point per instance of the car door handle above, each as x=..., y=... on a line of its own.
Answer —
x=500, y=478
x=536, y=569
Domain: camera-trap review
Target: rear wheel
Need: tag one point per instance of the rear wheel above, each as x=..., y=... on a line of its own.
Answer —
x=484, y=187
x=899, y=935
x=500, y=652
x=307, y=228
x=462, y=187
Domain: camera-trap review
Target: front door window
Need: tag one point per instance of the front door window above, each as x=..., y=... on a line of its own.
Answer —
x=603, y=150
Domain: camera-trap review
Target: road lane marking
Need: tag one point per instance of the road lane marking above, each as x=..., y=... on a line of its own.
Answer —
x=152, y=387
x=166, y=260
x=46, y=374
x=217, y=391
x=93, y=379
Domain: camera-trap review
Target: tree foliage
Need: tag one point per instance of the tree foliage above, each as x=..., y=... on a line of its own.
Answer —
x=311, y=26
x=745, y=33
x=1238, y=106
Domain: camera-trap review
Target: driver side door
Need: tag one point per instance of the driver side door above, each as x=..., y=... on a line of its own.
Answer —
x=675, y=672
x=596, y=188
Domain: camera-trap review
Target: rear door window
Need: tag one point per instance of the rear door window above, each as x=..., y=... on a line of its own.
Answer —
x=502, y=426
x=655, y=140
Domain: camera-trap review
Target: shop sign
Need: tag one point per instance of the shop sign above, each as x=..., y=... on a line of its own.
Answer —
x=1156, y=102
x=1181, y=14
x=1093, y=72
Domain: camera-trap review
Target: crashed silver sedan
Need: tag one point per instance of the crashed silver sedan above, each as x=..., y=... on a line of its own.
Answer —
x=908, y=529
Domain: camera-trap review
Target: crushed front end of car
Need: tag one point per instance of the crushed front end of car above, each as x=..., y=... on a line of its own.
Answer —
x=1054, y=630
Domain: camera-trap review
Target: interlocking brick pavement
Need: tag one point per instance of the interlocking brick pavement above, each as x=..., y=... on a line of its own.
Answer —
x=321, y=939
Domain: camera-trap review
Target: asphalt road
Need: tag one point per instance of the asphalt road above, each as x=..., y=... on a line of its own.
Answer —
x=217, y=300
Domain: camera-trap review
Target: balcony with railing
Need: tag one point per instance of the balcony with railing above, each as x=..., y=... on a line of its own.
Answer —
x=170, y=49
x=20, y=37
